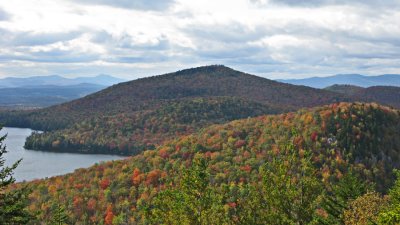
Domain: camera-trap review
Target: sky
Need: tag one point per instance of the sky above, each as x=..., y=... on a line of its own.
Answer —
x=276, y=39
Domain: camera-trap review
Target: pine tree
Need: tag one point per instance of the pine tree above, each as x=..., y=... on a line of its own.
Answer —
x=290, y=186
x=391, y=215
x=12, y=201
x=337, y=200
x=60, y=216
x=192, y=201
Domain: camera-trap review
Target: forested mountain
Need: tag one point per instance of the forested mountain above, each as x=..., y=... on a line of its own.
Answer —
x=44, y=95
x=347, y=79
x=140, y=112
x=312, y=150
x=388, y=95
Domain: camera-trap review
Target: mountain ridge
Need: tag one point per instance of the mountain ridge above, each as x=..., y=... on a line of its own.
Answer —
x=141, y=100
x=350, y=79
x=101, y=79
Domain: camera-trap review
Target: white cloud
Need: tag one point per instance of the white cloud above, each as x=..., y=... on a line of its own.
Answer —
x=134, y=38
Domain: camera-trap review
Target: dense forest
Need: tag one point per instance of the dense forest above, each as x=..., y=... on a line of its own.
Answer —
x=130, y=133
x=143, y=103
x=387, y=95
x=324, y=165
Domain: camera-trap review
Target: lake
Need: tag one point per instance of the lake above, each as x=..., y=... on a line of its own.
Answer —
x=38, y=164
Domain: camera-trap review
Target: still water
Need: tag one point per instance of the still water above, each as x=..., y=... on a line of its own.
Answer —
x=37, y=164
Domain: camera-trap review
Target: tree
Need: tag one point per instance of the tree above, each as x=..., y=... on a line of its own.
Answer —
x=364, y=210
x=12, y=201
x=392, y=214
x=339, y=196
x=193, y=201
x=60, y=215
x=290, y=186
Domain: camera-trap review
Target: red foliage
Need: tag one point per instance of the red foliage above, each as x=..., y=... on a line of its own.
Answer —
x=240, y=143
x=314, y=136
x=232, y=204
x=246, y=168
x=105, y=183
x=163, y=153
x=77, y=202
x=91, y=205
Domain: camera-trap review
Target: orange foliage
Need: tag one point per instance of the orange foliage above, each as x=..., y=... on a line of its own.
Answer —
x=153, y=177
x=136, y=178
x=109, y=215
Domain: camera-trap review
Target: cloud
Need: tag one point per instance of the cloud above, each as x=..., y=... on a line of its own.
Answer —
x=4, y=15
x=153, y=5
x=319, y=3
x=136, y=38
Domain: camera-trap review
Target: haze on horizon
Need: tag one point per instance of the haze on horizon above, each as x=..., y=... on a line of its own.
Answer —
x=131, y=39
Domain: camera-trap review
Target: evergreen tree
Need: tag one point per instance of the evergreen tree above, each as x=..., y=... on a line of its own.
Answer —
x=392, y=214
x=12, y=201
x=192, y=201
x=60, y=216
x=290, y=186
x=339, y=196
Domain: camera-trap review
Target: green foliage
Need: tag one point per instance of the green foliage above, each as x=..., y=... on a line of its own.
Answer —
x=60, y=216
x=331, y=140
x=391, y=215
x=192, y=201
x=364, y=210
x=290, y=187
x=13, y=201
x=348, y=188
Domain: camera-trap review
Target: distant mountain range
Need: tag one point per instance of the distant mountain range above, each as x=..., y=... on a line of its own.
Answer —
x=43, y=91
x=388, y=95
x=44, y=95
x=349, y=79
x=103, y=80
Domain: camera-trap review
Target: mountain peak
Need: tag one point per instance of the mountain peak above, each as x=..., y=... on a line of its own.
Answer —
x=209, y=69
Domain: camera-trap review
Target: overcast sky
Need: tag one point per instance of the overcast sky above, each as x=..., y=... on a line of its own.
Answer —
x=136, y=38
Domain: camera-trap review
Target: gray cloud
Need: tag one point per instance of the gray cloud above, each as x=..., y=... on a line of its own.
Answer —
x=364, y=39
x=318, y=3
x=156, y=5
x=8, y=38
x=4, y=15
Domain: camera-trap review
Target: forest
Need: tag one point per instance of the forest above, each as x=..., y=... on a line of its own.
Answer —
x=146, y=107
x=326, y=165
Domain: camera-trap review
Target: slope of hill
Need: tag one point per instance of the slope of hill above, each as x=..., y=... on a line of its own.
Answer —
x=388, y=95
x=12, y=82
x=363, y=137
x=136, y=103
x=44, y=95
x=349, y=79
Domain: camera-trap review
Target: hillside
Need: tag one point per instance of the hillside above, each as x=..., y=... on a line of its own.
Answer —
x=337, y=137
x=347, y=79
x=44, y=95
x=387, y=95
x=139, y=100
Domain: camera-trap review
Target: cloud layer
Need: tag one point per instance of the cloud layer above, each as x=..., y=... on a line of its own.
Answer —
x=130, y=39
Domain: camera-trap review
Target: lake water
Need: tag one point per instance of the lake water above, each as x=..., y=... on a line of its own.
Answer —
x=37, y=164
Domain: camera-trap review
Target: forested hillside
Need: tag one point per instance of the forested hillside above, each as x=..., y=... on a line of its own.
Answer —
x=387, y=95
x=133, y=109
x=308, y=153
